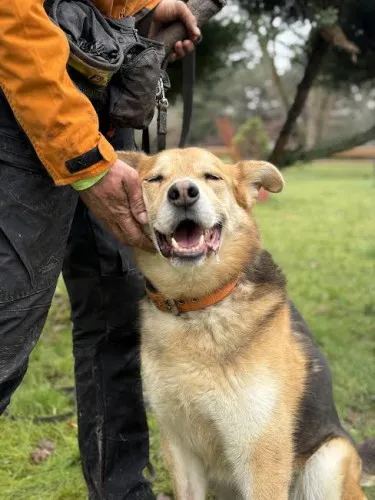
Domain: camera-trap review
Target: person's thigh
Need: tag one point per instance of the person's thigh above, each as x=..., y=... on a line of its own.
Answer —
x=35, y=219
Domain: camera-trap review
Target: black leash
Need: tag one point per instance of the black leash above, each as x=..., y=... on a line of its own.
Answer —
x=188, y=80
x=162, y=105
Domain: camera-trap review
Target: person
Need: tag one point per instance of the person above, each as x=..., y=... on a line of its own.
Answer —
x=68, y=203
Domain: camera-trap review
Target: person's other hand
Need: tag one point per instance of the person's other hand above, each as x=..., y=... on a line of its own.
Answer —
x=169, y=11
x=117, y=201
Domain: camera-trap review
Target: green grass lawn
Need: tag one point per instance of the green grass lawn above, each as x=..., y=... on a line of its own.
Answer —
x=321, y=230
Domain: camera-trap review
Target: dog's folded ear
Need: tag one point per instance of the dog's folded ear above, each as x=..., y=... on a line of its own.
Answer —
x=132, y=158
x=251, y=176
x=259, y=174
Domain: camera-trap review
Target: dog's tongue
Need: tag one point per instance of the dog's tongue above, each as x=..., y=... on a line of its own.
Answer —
x=188, y=234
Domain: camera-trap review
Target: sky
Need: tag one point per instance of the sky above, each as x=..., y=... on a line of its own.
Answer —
x=297, y=35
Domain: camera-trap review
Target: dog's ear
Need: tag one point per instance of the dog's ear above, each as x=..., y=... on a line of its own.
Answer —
x=262, y=174
x=132, y=158
x=252, y=175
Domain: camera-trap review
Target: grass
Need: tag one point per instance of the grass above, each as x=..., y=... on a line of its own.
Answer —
x=321, y=231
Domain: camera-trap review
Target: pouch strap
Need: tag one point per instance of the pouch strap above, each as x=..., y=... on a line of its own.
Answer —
x=146, y=140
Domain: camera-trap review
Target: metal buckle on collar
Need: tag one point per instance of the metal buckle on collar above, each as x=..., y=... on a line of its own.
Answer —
x=172, y=307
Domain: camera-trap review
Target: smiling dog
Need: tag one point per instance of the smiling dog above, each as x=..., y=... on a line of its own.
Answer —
x=240, y=391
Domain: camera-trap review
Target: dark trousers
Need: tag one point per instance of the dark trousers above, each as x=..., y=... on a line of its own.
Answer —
x=45, y=229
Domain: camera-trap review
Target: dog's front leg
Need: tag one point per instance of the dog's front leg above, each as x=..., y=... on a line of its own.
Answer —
x=266, y=472
x=270, y=466
x=187, y=472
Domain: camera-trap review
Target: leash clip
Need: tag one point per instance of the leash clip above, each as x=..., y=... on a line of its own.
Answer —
x=162, y=105
x=162, y=101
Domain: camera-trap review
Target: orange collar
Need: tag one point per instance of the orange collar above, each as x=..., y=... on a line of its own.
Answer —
x=178, y=306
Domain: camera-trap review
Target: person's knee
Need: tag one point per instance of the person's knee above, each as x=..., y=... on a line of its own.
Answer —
x=21, y=323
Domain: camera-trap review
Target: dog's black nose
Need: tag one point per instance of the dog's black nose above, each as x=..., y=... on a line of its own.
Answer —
x=183, y=193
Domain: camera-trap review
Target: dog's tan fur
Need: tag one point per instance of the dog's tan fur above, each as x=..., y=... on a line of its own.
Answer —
x=226, y=382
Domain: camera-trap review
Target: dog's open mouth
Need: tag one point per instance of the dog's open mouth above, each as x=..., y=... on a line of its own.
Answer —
x=190, y=241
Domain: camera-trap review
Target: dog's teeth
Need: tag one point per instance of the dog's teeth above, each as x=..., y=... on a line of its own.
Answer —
x=174, y=243
x=201, y=240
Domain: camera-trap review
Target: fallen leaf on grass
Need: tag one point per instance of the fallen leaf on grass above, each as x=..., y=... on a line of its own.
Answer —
x=72, y=424
x=42, y=451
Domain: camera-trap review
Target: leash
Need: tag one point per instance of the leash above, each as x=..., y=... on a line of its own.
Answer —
x=203, y=11
x=162, y=105
x=188, y=81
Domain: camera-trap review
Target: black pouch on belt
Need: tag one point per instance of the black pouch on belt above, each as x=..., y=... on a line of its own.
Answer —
x=95, y=54
x=133, y=89
x=109, y=62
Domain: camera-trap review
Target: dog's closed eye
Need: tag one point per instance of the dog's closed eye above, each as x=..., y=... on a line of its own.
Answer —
x=155, y=178
x=212, y=177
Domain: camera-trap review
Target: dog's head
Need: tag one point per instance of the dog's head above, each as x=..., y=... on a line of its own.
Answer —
x=199, y=208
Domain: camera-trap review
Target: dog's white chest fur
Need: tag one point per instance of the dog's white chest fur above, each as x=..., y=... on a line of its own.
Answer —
x=206, y=409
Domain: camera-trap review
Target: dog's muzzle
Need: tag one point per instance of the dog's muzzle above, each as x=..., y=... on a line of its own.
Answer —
x=188, y=228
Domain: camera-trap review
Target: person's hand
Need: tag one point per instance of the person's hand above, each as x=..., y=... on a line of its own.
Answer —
x=117, y=201
x=175, y=10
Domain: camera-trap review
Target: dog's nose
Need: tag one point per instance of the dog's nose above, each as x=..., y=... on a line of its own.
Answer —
x=183, y=193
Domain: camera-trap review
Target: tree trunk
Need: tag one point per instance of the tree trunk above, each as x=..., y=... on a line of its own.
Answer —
x=313, y=108
x=263, y=41
x=325, y=114
x=319, y=50
x=327, y=150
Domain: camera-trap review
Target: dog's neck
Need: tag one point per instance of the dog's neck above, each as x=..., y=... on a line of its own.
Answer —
x=186, y=283
x=178, y=306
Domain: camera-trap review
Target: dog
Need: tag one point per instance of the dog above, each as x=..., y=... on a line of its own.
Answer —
x=240, y=391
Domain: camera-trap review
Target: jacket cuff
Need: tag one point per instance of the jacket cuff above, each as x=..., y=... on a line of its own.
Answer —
x=94, y=162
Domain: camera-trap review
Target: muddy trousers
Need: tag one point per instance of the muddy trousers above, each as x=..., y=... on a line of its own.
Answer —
x=45, y=229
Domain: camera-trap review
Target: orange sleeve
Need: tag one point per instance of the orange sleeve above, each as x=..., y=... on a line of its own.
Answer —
x=134, y=6
x=58, y=119
x=123, y=8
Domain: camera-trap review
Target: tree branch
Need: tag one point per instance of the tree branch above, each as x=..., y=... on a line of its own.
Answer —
x=327, y=150
x=319, y=50
x=335, y=36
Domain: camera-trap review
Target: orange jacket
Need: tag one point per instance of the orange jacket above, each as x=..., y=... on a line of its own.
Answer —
x=59, y=120
x=121, y=8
